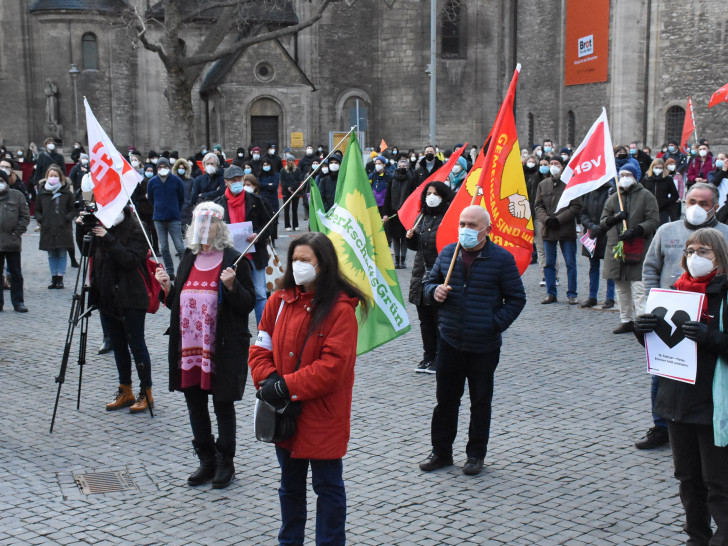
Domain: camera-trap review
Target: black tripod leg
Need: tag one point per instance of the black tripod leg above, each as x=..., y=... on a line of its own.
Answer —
x=82, y=354
x=61, y=377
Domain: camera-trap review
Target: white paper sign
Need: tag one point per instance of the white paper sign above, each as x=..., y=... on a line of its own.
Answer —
x=669, y=353
x=240, y=233
x=589, y=243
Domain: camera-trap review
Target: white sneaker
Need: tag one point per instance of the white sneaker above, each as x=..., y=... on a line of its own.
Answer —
x=542, y=283
x=288, y=229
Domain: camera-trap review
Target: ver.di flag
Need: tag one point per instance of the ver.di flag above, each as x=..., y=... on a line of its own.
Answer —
x=114, y=179
x=592, y=164
x=355, y=228
x=498, y=181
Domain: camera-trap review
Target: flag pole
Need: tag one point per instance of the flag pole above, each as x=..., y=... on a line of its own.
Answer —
x=457, y=247
x=141, y=224
x=621, y=204
x=293, y=194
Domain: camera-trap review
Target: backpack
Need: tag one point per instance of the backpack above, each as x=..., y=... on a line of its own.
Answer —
x=147, y=270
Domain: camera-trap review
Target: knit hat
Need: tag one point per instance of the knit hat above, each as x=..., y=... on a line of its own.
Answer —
x=254, y=149
x=557, y=158
x=290, y=157
x=565, y=150
x=162, y=161
x=382, y=159
x=629, y=167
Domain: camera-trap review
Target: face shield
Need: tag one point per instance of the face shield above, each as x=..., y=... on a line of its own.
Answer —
x=205, y=224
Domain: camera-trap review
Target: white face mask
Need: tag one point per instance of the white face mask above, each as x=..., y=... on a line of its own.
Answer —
x=303, y=273
x=699, y=266
x=378, y=167
x=671, y=168
x=433, y=200
x=210, y=169
x=696, y=215
x=565, y=158
x=249, y=189
x=135, y=164
x=530, y=164
x=554, y=170
x=271, y=151
x=539, y=153
x=309, y=151
x=3, y=186
x=325, y=170
x=241, y=155
x=84, y=162
x=154, y=160
x=163, y=172
x=658, y=172
x=626, y=181
x=413, y=158
x=457, y=169
x=51, y=146
x=703, y=153
x=334, y=167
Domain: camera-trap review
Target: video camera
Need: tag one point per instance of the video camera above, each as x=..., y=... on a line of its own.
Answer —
x=87, y=213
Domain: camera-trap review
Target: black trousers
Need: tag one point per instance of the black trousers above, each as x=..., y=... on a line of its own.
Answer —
x=16, y=278
x=290, y=212
x=428, y=330
x=453, y=368
x=196, y=400
x=702, y=469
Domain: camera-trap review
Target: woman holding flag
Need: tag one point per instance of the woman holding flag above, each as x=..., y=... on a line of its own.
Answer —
x=305, y=352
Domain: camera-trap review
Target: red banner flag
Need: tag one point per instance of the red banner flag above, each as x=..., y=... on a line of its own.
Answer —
x=410, y=209
x=498, y=181
x=383, y=146
x=592, y=164
x=721, y=95
x=688, y=126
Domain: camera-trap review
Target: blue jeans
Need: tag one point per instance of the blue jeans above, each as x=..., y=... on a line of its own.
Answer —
x=568, y=251
x=594, y=264
x=16, y=278
x=659, y=421
x=57, y=261
x=128, y=332
x=173, y=228
x=260, y=292
x=328, y=484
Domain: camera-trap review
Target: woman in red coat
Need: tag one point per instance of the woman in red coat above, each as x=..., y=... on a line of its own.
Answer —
x=311, y=320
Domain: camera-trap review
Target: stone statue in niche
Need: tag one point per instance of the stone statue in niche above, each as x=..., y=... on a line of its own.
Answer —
x=52, y=125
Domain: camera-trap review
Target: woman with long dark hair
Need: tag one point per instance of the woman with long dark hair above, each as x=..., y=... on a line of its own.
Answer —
x=305, y=352
x=422, y=238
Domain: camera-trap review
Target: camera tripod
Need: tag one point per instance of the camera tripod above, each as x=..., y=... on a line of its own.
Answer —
x=80, y=312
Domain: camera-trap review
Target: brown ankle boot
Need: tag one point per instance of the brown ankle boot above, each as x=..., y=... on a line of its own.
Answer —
x=124, y=398
x=143, y=401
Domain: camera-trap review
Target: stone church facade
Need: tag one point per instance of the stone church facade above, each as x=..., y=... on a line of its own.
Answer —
x=374, y=52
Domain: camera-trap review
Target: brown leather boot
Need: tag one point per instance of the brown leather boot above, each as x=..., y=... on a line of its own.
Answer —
x=143, y=401
x=124, y=398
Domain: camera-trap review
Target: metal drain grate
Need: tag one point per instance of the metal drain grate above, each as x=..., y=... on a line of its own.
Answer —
x=104, y=482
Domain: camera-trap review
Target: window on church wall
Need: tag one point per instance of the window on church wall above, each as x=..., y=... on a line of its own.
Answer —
x=452, y=31
x=89, y=52
x=531, y=131
x=674, y=118
x=570, y=127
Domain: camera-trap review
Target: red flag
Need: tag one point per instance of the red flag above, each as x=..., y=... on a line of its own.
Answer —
x=688, y=126
x=382, y=146
x=721, y=95
x=592, y=164
x=497, y=178
x=410, y=209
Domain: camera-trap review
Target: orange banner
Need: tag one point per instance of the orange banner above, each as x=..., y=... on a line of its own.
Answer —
x=587, y=41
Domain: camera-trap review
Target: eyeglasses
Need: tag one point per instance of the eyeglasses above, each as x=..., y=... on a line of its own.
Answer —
x=703, y=252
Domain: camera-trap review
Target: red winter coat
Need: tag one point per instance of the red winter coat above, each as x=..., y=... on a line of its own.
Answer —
x=325, y=378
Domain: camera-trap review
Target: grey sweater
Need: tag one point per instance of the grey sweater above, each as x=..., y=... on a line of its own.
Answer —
x=661, y=267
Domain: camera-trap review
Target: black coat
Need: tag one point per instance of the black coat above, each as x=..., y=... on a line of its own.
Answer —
x=76, y=175
x=256, y=212
x=684, y=403
x=421, y=171
x=592, y=205
x=327, y=188
x=207, y=188
x=117, y=269
x=232, y=339
x=663, y=189
x=290, y=180
x=45, y=160
x=533, y=179
x=55, y=217
x=424, y=242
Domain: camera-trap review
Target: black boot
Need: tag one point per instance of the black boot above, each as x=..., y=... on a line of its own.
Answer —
x=59, y=282
x=225, y=468
x=402, y=265
x=54, y=282
x=396, y=262
x=106, y=347
x=206, y=452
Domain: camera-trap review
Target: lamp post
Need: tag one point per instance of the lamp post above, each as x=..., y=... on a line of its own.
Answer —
x=74, y=72
x=432, y=70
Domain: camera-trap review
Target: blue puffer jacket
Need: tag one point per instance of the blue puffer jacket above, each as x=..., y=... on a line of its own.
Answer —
x=482, y=306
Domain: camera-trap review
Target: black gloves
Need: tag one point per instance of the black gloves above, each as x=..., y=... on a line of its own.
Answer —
x=553, y=223
x=274, y=391
x=594, y=231
x=701, y=334
x=629, y=234
x=614, y=219
x=644, y=324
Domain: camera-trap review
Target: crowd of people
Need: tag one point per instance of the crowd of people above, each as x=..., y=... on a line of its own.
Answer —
x=660, y=223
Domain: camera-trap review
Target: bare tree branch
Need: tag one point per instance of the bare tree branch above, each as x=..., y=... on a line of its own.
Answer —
x=246, y=42
x=211, y=6
x=140, y=26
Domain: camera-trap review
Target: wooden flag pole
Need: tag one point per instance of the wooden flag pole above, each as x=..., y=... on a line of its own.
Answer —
x=621, y=204
x=457, y=247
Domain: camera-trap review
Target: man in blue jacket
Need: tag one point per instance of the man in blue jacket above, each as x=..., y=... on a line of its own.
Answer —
x=166, y=193
x=484, y=296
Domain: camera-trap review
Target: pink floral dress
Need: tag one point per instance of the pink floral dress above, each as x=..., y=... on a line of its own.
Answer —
x=198, y=316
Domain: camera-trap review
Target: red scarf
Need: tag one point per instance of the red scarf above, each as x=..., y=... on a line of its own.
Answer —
x=689, y=284
x=236, y=206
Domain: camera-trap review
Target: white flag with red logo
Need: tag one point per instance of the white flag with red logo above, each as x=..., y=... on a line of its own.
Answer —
x=114, y=179
x=592, y=164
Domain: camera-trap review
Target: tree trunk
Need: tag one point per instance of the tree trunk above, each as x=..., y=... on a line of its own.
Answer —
x=181, y=115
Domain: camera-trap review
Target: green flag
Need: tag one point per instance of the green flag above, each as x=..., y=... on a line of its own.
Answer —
x=354, y=226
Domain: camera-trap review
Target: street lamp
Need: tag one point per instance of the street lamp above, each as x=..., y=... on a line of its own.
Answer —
x=74, y=72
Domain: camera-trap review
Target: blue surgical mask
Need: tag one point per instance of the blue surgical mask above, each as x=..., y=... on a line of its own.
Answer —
x=236, y=188
x=547, y=149
x=266, y=168
x=693, y=152
x=468, y=237
x=633, y=151
x=148, y=174
x=543, y=169
x=248, y=170
x=719, y=163
x=672, y=149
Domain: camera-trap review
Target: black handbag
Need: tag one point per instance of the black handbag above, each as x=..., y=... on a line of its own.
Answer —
x=277, y=425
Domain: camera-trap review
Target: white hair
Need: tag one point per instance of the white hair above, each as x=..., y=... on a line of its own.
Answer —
x=480, y=211
x=209, y=155
x=222, y=239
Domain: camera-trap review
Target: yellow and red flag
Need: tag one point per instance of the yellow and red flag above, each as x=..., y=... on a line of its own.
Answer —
x=498, y=182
